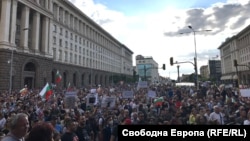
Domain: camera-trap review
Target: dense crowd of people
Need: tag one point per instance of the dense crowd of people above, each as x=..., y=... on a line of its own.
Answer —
x=28, y=117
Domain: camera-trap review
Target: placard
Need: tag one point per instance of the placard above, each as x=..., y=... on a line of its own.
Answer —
x=127, y=94
x=92, y=99
x=151, y=94
x=108, y=102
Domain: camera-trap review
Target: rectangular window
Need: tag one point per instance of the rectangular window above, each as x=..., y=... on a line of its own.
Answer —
x=75, y=59
x=66, y=44
x=66, y=33
x=54, y=28
x=54, y=53
x=61, y=31
x=66, y=57
x=54, y=40
x=71, y=46
x=71, y=58
x=60, y=55
x=80, y=60
x=60, y=42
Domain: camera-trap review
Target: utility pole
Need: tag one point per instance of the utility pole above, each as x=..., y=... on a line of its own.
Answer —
x=145, y=73
x=178, y=68
x=195, y=54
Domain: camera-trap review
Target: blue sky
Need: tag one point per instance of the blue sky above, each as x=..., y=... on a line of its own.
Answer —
x=133, y=7
x=152, y=27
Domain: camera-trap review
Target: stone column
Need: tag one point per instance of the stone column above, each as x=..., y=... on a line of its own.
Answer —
x=50, y=44
x=35, y=31
x=73, y=22
x=50, y=6
x=5, y=21
x=58, y=13
x=46, y=4
x=45, y=34
x=63, y=17
x=24, y=27
x=13, y=22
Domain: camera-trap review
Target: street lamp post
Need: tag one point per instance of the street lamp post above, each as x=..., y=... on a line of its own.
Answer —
x=195, y=58
x=11, y=62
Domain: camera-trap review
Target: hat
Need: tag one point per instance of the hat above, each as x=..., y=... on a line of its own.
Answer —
x=127, y=121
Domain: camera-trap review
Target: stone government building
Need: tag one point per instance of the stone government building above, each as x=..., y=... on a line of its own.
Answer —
x=39, y=37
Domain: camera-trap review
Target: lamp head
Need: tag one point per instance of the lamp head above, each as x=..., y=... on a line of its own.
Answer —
x=190, y=27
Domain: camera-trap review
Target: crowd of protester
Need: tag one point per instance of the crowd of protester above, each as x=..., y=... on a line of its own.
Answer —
x=28, y=117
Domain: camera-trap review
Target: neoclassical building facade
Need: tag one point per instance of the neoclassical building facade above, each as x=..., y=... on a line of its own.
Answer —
x=40, y=37
x=236, y=48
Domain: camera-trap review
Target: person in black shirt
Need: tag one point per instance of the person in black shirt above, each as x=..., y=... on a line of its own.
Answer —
x=82, y=131
x=141, y=117
x=70, y=134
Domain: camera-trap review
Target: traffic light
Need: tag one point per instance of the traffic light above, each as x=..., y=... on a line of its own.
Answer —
x=171, y=61
x=235, y=63
x=163, y=67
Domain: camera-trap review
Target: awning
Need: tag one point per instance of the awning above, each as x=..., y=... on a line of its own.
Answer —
x=226, y=77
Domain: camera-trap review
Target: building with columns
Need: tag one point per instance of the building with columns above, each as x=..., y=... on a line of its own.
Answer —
x=40, y=37
x=236, y=48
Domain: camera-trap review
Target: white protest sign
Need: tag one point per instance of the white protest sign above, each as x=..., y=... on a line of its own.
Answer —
x=151, y=94
x=127, y=94
x=142, y=84
x=93, y=91
x=245, y=92
x=108, y=101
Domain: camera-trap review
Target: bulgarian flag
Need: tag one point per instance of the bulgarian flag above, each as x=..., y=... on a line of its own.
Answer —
x=158, y=101
x=46, y=92
x=58, y=77
x=69, y=87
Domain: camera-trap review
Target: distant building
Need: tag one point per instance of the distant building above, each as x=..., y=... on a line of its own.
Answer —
x=204, y=71
x=147, y=69
x=185, y=78
x=214, y=70
x=236, y=48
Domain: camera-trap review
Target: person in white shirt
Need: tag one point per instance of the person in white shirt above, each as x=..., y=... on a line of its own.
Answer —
x=216, y=116
x=247, y=121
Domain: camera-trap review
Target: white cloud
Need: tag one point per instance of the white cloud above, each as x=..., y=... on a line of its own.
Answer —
x=144, y=34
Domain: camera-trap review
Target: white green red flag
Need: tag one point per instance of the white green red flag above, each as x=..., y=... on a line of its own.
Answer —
x=46, y=92
x=158, y=101
x=58, y=77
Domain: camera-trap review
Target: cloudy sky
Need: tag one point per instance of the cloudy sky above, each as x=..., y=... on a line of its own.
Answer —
x=153, y=27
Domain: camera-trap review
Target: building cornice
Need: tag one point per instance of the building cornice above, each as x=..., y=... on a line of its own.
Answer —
x=37, y=8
